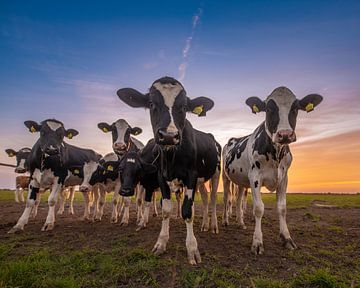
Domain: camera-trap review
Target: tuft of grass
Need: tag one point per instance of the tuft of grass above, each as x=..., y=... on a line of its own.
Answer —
x=336, y=229
x=320, y=278
x=312, y=217
x=268, y=283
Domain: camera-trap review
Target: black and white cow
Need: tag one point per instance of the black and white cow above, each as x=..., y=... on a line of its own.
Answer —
x=122, y=142
x=263, y=157
x=139, y=168
x=22, y=166
x=49, y=163
x=178, y=141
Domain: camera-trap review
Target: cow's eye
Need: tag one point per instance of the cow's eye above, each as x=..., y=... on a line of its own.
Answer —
x=151, y=105
x=184, y=109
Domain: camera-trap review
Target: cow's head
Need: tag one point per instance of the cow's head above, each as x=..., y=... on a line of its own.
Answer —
x=281, y=108
x=121, y=132
x=131, y=169
x=21, y=158
x=52, y=133
x=97, y=172
x=168, y=105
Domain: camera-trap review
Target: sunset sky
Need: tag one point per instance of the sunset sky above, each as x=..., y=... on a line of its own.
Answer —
x=66, y=59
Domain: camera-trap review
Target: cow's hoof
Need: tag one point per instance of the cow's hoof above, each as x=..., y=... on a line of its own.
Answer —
x=194, y=257
x=15, y=230
x=257, y=248
x=124, y=223
x=288, y=243
x=242, y=226
x=155, y=214
x=113, y=220
x=205, y=227
x=141, y=227
x=97, y=219
x=48, y=227
x=71, y=212
x=60, y=212
x=225, y=223
x=159, y=248
x=214, y=228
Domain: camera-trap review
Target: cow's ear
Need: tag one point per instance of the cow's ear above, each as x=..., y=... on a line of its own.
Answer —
x=148, y=168
x=136, y=131
x=11, y=152
x=76, y=170
x=104, y=127
x=70, y=133
x=256, y=104
x=199, y=105
x=32, y=126
x=133, y=97
x=309, y=102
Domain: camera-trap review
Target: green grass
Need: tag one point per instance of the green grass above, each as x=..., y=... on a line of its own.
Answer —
x=293, y=200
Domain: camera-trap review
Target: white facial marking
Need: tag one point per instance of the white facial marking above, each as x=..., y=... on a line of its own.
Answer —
x=130, y=160
x=121, y=127
x=22, y=164
x=53, y=125
x=169, y=92
x=89, y=169
x=110, y=157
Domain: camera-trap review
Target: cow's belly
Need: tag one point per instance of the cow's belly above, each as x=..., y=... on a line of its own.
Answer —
x=72, y=180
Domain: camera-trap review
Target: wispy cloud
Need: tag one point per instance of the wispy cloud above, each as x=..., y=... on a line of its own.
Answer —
x=185, y=53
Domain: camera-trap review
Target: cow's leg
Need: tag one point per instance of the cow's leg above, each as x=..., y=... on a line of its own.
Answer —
x=239, y=206
x=230, y=199
x=87, y=200
x=258, y=211
x=244, y=201
x=214, y=184
x=205, y=207
x=115, y=202
x=163, y=238
x=147, y=203
x=34, y=210
x=178, y=202
x=155, y=214
x=125, y=218
x=71, y=198
x=227, y=195
x=50, y=219
x=139, y=200
x=96, y=192
x=21, y=195
x=63, y=196
x=34, y=188
x=101, y=203
x=188, y=214
x=16, y=194
x=281, y=207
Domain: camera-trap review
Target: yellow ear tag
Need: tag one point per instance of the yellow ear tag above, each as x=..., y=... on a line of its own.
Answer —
x=104, y=172
x=255, y=109
x=32, y=129
x=198, y=110
x=76, y=171
x=110, y=168
x=309, y=107
x=70, y=136
x=105, y=130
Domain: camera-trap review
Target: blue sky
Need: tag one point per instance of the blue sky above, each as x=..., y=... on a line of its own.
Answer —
x=66, y=59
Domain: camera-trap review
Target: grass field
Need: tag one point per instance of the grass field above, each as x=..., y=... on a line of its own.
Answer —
x=82, y=254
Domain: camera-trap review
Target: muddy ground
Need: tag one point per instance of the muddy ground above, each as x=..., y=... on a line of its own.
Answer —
x=328, y=239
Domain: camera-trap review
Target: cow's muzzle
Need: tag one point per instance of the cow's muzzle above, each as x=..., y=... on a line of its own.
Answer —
x=20, y=170
x=285, y=137
x=120, y=148
x=126, y=192
x=167, y=138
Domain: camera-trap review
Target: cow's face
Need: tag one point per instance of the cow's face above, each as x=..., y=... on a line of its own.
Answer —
x=96, y=172
x=121, y=132
x=168, y=105
x=131, y=169
x=281, y=108
x=52, y=133
x=21, y=158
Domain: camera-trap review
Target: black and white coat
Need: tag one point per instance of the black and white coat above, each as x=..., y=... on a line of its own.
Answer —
x=49, y=163
x=175, y=136
x=262, y=159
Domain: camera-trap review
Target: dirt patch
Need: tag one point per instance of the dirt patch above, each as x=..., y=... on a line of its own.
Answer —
x=326, y=238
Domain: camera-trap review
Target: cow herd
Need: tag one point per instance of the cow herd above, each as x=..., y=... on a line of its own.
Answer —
x=177, y=159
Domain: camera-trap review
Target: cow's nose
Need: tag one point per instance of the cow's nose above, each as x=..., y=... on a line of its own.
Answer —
x=51, y=150
x=84, y=188
x=168, y=138
x=19, y=170
x=119, y=146
x=127, y=192
x=286, y=136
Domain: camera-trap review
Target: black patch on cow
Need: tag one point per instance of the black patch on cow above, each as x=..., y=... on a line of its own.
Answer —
x=33, y=193
x=263, y=144
x=257, y=163
x=293, y=114
x=256, y=183
x=186, y=209
x=237, y=150
x=253, y=167
x=233, y=171
x=240, y=169
x=272, y=116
